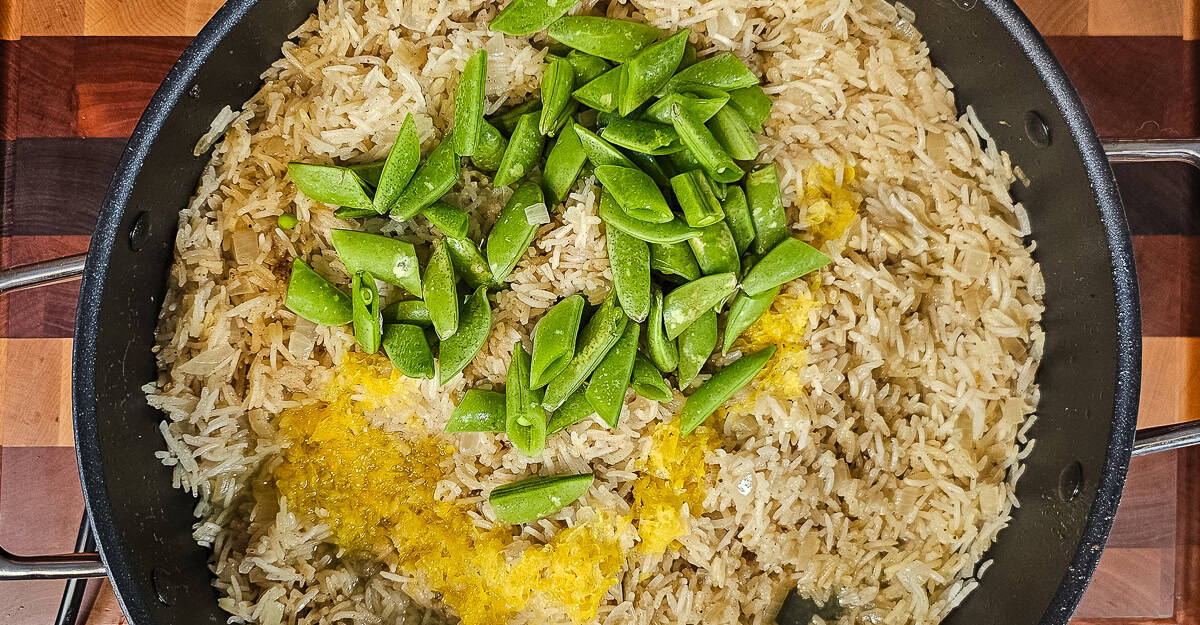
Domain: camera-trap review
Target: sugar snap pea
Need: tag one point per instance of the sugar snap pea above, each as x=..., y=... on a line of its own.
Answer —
x=512, y=233
x=563, y=164
x=674, y=259
x=451, y=220
x=489, y=151
x=607, y=38
x=468, y=103
x=715, y=250
x=411, y=311
x=575, y=409
x=345, y=212
x=651, y=166
x=788, y=260
x=703, y=145
x=479, y=411
x=525, y=419
x=441, y=292
x=475, y=323
x=506, y=121
x=388, y=259
x=734, y=134
x=587, y=66
x=469, y=264
x=636, y=192
x=557, y=83
x=287, y=221
x=753, y=103
x=674, y=231
x=554, y=338
x=688, y=302
x=697, y=199
x=689, y=56
x=598, y=336
x=398, y=169
x=523, y=151
x=407, y=348
x=330, y=184
x=599, y=151
x=606, y=388
x=312, y=297
x=364, y=306
x=743, y=312
x=642, y=136
x=703, y=107
x=662, y=351
x=650, y=69
x=630, y=260
x=648, y=382
x=370, y=172
x=525, y=17
x=602, y=93
x=683, y=161
x=536, y=497
x=737, y=217
x=724, y=71
x=766, y=208
x=696, y=344
x=720, y=387
x=432, y=180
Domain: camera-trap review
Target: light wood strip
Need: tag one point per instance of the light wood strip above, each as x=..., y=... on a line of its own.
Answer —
x=1116, y=18
x=1170, y=381
x=1057, y=18
x=35, y=393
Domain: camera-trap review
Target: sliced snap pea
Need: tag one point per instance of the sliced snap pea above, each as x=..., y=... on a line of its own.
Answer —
x=315, y=299
x=441, y=292
x=734, y=134
x=703, y=145
x=696, y=344
x=433, y=179
x=407, y=348
x=469, y=264
x=506, y=121
x=737, y=217
x=512, y=233
x=766, y=208
x=650, y=70
x=716, y=250
x=475, y=323
x=587, y=66
x=724, y=71
x=563, y=164
x=345, y=212
x=523, y=151
x=401, y=164
x=650, y=165
x=662, y=351
x=683, y=161
x=575, y=409
x=606, y=388
x=686, y=303
x=536, y=497
x=674, y=231
x=689, y=56
x=630, y=260
x=602, y=93
x=703, y=108
x=648, y=382
x=599, y=151
x=388, y=259
x=490, y=149
x=287, y=221
x=695, y=196
x=364, y=303
x=451, y=220
x=788, y=260
x=554, y=338
x=675, y=259
x=719, y=189
x=411, y=311
x=557, y=83
x=636, y=192
x=753, y=103
x=607, y=38
x=598, y=336
x=330, y=184
x=468, y=103
x=720, y=387
x=525, y=419
x=743, y=312
x=370, y=172
x=642, y=136
x=525, y=17
x=479, y=411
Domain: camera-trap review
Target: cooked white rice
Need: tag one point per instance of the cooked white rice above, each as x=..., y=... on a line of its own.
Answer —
x=880, y=480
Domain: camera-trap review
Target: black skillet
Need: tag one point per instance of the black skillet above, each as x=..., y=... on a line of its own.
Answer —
x=1089, y=379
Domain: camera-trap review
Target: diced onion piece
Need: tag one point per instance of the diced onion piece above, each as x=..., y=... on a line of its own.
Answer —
x=536, y=214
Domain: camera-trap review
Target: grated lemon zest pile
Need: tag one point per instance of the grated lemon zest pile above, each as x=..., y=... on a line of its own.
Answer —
x=783, y=326
x=673, y=474
x=830, y=206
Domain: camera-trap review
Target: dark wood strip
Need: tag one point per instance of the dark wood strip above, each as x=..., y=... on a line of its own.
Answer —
x=43, y=313
x=1160, y=198
x=1168, y=267
x=57, y=184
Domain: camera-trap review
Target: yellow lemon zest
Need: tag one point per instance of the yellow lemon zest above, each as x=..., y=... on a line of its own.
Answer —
x=830, y=206
x=673, y=474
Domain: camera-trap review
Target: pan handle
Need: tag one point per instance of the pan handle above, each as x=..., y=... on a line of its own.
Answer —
x=1153, y=150
x=42, y=274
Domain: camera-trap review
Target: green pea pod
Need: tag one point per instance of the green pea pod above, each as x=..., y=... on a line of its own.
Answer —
x=737, y=217
x=490, y=149
x=636, y=192
x=674, y=231
x=630, y=260
x=398, y=169
x=408, y=349
x=479, y=411
x=686, y=303
x=606, y=389
x=599, y=151
x=650, y=165
x=370, y=172
x=411, y=311
x=575, y=409
x=525, y=17
x=724, y=71
x=506, y=121
x=469, y=264
x=345, y=212
x=766, y=208
x=674, y=259
x=650, y=70
x=525, y=419
x=785, y=262
x=689, y=56
x=388, y=259
x=536, y=497
x=734, y=134
x=662, y=351
x=754, y=105
x=607, y=38
x=598, y=336
x=743, y=312
x=563, y=164
x=523, y=152
x=648, y=382
x=512, y=233
x=715, y=250
x=695, y=195
x=554, y=338
x=602, y=93
x=451, y=220
x=433, y=179
x=364, y=303
x=475, y=323
x=313, y=298
x=696, y=136
x=723, y=385
x=702, y=108
x=330, y=184
x=719, y=189
x=642, y=136
x=696, y=344
x=441, y=291
x=683, y=161
x=468, y=103
x=587, y=67
x=557, y=84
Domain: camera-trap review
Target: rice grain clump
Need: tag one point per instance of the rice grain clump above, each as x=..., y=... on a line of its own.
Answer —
x=872, y=462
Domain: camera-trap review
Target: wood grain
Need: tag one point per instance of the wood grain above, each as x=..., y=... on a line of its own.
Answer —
x=1170, y=381
x=58, y=185
x=1063, y=17
x=1126, y=18
x=107, y=17
x=35, y=393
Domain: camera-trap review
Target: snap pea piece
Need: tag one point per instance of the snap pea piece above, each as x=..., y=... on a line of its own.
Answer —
x=683, y=161
x=662, y=351
x=689, y=56
x=587, y=66
x=441, y=292
x=432, y=180
x=490, y=148
x=469, y=264
x=734, y=134
x=525, y=17
x=788, y=260
x=525, y=419
x=407, y=348
x=468, y=103
x=703, y=145
x=506, y=121
x=696, y=344
x=650, y=165
x=536, y=497
x=686, y=303
x=753, y=103
x=674, y=231
x=737, y=217
x=287, y=221
x=345, y=212
x=724, y=71
x=743, y=312
x=715, y=250
x=557, y=83
x=642, y=136
x=636, y=192
x=650, y=70
x=554, y=338
x=648, y=382
x=606, y=389
x=563, y=164
x=674, y=259
x=766, y=208
x=401, y=164
x=523, y=151
x=630, y=260
x=703, y=108
x=695, y=196
x=364, y=306
x=370, y=172
x=719, y=189
x=607, y=38
x=720, y=387
x=575, y=409
x=598, y=336
x=599, y=151
x=330, y=184
x=451, y=220
x=512, y=233
x=312, y=297
x=411, y=311
x=388, y=259
x=479, y=411
x=475, y=323
x=602, y=93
